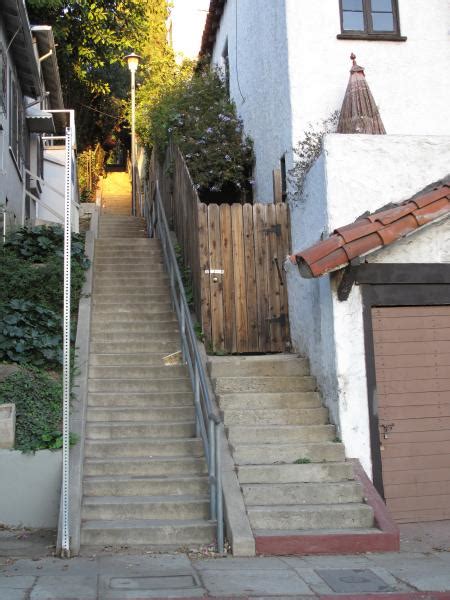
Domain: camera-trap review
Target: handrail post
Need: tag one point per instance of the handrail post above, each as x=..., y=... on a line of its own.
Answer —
x=212, y=468
x=198, y=408
x=219, y=508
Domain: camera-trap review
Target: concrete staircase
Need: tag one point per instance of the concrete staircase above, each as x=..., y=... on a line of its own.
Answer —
x=292, y=470
x=144, y=474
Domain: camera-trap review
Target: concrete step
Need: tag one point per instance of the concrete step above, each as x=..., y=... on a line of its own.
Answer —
x=117, y=254
x=326, y=516
x=143, y=318
x=142, y=447
x=230, y=385
x=168, y=332
x=134, y=297
x=262, y=494
x=138, y=372
x=163, y=400
x=272, y=400
x=147, y=533
x=165, y=347
x=127, y=243
x=154, y=326
x=267, y=434
x=145, y=466
x=139, y=385
x=131, y=287
x=147, y=486
x=134, y=279
x=265, y=366
x=122, y=261
x=283, y=416
x=265, y=454
x=145, y=507
x=296, y=473
x=149, y=429
x=148, y=269
x=137, y=308
x=150, y=359
x=137, y=415
x=110, y=234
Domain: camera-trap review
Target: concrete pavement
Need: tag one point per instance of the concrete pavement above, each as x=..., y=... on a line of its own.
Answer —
x=421, y=571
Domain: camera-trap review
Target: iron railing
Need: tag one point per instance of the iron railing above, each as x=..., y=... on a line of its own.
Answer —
x=208, y=423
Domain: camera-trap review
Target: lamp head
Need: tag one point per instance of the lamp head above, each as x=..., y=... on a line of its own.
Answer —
x=132, y=61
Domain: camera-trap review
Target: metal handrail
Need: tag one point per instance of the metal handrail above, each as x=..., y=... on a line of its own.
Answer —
x=208, y=423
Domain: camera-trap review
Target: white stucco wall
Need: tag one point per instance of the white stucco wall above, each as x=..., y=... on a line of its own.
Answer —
x=356, y=174
x=259, y=82
x=293, y=71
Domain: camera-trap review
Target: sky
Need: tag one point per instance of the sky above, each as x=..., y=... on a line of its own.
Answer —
x=188, y=21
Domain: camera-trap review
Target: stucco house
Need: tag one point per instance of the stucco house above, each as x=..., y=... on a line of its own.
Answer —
x=287, y=66
x=33, y=122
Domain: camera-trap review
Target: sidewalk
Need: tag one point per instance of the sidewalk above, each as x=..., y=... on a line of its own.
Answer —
x=421, y=571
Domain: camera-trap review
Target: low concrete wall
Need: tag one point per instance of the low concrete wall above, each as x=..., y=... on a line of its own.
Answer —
x=30, y=488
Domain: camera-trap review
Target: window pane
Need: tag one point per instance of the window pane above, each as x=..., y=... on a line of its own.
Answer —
x=352, y=5
x=353, y=21
x=382, y=5
x=383, y=22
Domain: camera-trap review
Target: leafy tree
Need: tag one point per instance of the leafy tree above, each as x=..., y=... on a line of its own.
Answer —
x=92, y=37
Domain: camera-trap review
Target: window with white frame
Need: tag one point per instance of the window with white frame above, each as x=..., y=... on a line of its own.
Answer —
x=3, y=79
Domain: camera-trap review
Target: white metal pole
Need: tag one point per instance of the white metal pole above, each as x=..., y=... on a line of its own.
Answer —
x=65, y=541
x=133, y=142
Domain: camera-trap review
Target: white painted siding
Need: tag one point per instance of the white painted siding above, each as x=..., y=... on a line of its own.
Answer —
x=10, y=179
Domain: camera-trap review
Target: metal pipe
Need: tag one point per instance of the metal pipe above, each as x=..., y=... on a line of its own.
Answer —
x=219, y=508
x=212, y=469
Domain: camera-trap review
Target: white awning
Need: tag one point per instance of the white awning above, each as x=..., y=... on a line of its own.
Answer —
x=39, y=121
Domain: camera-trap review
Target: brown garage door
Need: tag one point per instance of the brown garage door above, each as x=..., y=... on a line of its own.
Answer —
x=412, y=364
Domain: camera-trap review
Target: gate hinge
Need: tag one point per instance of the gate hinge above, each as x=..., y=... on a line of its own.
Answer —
x=281, y=319
x=276, y=229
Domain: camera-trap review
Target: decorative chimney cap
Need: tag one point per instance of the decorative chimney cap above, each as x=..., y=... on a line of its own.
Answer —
x=355, y=68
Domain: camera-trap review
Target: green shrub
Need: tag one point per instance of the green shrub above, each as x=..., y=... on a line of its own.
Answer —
x=38, y=400
x=39, y=243
x=202, y=121
x=30, y=333
x=40, y=283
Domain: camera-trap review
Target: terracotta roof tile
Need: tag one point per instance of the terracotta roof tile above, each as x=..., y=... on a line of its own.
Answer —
x=374, y=231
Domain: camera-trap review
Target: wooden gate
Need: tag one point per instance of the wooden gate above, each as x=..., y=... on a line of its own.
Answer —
x=242, y=248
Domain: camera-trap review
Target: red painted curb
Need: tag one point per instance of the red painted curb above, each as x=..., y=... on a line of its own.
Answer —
x=392, y=596
x=387, y=540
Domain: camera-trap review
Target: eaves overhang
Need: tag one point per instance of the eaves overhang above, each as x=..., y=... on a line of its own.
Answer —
x=43, y=34
x=18, y=38
x=216, y=8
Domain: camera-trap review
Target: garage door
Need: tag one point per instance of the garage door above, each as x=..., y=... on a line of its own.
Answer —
x=412, y=365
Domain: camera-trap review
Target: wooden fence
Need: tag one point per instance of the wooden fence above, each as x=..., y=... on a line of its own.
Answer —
x=235, y=254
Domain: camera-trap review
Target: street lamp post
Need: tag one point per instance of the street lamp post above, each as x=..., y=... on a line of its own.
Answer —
x=133, y=63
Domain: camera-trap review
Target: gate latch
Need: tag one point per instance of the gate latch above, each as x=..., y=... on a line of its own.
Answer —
x=276, y=229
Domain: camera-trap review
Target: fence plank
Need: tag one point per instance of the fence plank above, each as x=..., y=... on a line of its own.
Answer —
x=216, y=279
x=240, y=296
x=284, y=248
x=260, y=236
x=205, y=290
x=273, y=282
x=229, y=313
x=250, y=278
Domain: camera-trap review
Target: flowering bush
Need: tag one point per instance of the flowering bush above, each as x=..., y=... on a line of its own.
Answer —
x=202, y=121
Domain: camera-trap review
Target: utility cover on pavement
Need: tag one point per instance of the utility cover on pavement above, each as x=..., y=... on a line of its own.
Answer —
x=353, y=580
x=161, y=582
